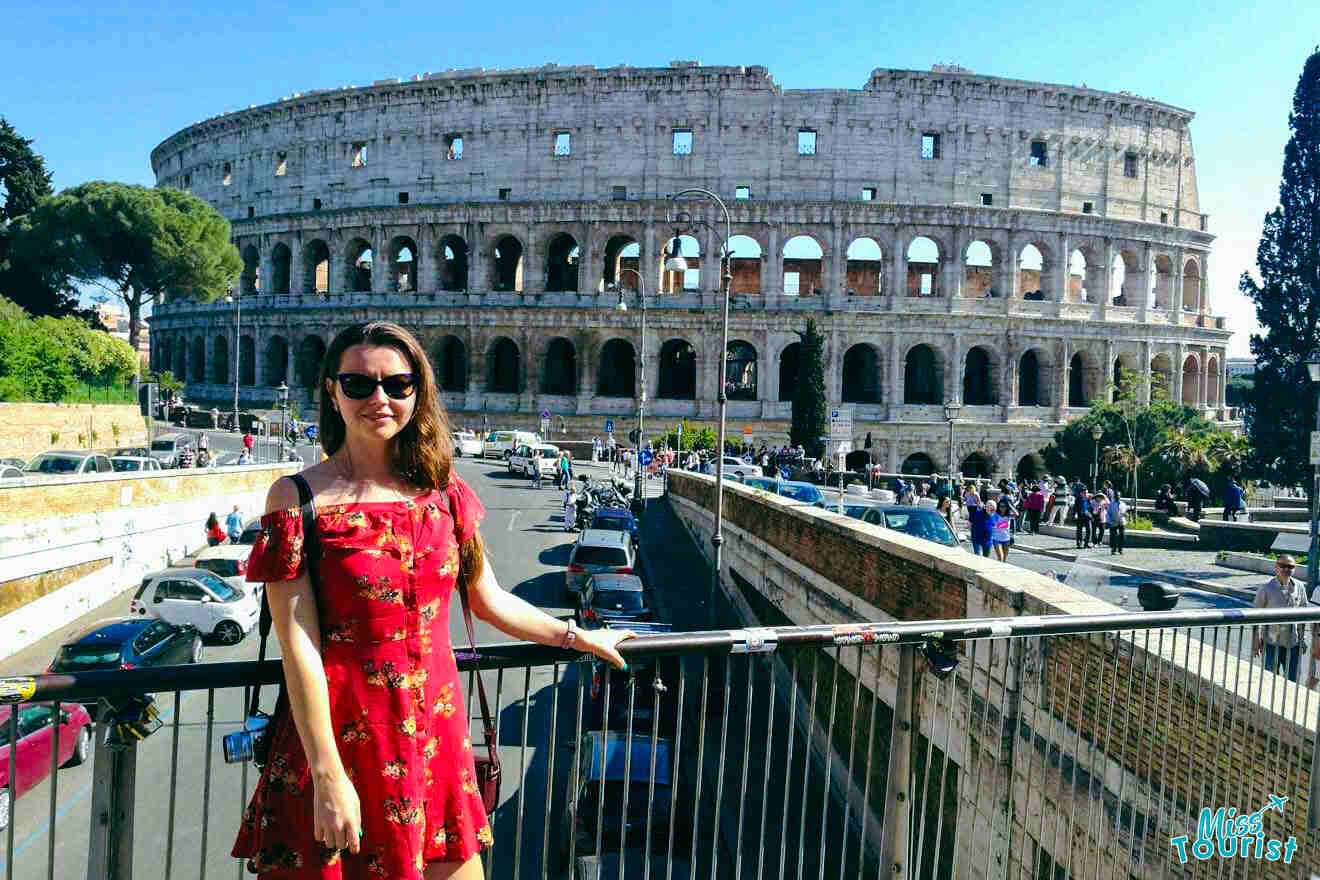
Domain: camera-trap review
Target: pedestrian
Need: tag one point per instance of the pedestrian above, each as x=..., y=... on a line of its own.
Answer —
x=536, y=469
x=371, y=770
x=561, y=470
x=946, y=510
x=1034, y=506
x=1117, y=525
x=1099, y=510
x=248, y=440
x=215, y=417
x=1164, y=500
x=1082, y=515
x=1195, y=501
x=1234, y=500
x=1001, y=529
x=203, y=443
x=570, y=508
x=234, y=525
x=1281, y=643
x=244, y=457
x=214, y=534
x=980, y=522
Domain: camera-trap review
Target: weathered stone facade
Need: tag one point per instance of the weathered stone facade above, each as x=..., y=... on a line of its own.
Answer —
x=959, y=238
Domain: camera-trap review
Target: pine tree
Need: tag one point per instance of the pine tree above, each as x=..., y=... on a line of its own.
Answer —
x=1280, y=412
x=809, y=394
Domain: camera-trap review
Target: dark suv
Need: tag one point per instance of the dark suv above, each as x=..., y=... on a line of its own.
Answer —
x=647, y=683
x=128, y=643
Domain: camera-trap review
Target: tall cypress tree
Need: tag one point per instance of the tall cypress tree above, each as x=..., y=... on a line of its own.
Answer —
x=1280, y=412
x=809, y=394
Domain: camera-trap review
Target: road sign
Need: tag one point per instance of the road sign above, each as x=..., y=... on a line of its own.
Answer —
x=609, y=426
x=545, y=427
x=545, y=415
x=841, y=424
x=1315, y=447
x=747, y=432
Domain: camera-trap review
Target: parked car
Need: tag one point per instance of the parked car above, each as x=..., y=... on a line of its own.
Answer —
x=646, y=683
x=617, y=519
x=179, y=413
x=70, y=462
x=606, y=772
x=128, y=643
x=597, y=551
x=9, y=472
x=123, y=463
x=247, y=423
x=920, y=522
x=500, y=444
x=798, y=491
x=228, y=562
x=36, y=740
x=734, y=466
x=612, y=598
x=19, y=463
x=130, y=452
x=467, y=443
x=539, y=455
x=198, y=598
x=251, y=529
x=166, y=448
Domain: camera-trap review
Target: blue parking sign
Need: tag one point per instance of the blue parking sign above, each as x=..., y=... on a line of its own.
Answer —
x=645, y=457
x=609, y=426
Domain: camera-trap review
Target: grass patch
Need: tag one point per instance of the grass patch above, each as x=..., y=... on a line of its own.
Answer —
x=1139, y=524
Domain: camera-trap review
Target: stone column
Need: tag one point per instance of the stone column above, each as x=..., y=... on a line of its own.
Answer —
x=209, y=366
x=589, y=267
x=1203, y=307
x=712, y=281
x=1007, y=269
x=953, y=373
x=772, y=281
x=898, y=247
x=1181, y=358
x=1061, y=379
x=834, y=370
x=1179, y=257
x=533, y=264
x=478, y=260
x=648, y=263
x=1107, y=377
x=290, y=355
x=1142, y=293
x=954, y=269
x=1146, y=371
x=424, y=261
x=837, y=277
x=1060, y=268
x=380, y=264
x=895, y=376
x=1106, y=278
x=1203, y=392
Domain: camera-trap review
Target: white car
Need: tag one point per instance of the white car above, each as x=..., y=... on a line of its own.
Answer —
x=736, y=467
x=200, y=599
x=226, y=561
x=134, y=463
x=60, y=462
x=542, y=455
x=467, y=443
x=500, y=444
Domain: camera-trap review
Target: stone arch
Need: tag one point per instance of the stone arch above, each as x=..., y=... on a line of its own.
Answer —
x=1079, y=265
x=1191, y=380
x=1191, y=286
x=918, y=464
x=250, y=280
x=617, y=372
x=559, y=371
x=160, y=358
x=923, y=376
x=451, y=264
x=316, y=266
x=507, y=264
x=1077, y=385
x=979, y=369
x=978, y=464
x=789, y=366
x=621, y=252
x=503, y=367
x=803, y=264
x=358, y=264
x=861, y=380
x=924, y=259
x=1212, y=381
x=690, y=250
x=277, y=360
x=1035, y=271
x=740, y=362
x=403, y=264
x=247, y=361
x=311, y=354
x=1114, y=380
x=197, y=360
x=979, y=262
x=1161, y=376
x=220, y=360
x=181, y=359
x=865, y=270
x=1163, y=282
x=450, y=362
x=678, y=370
x=1032, y=387
x=745, y=264
x=1124, y=277
x=1030, y=466
x=562, y=258
x=281, y=258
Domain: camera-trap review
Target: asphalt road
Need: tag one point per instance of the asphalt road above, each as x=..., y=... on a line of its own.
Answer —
x=528, y=548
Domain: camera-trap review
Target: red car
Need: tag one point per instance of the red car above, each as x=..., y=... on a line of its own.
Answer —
x=35, y=736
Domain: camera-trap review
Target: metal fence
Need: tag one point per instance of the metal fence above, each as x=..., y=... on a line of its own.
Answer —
x=1028, y=747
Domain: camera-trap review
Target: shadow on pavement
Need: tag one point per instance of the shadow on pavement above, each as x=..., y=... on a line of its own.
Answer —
x=544, y=591
x=557, y=555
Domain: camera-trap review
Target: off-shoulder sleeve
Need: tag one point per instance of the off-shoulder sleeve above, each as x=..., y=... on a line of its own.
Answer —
x=277, y=554
x=467, y=508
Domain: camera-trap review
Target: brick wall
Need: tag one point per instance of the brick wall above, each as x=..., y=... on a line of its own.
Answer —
x=25, y=428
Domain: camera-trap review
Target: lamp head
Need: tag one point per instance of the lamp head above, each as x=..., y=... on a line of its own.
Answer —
x=1097, y=432
x=621, y=306
x=1313, y=368
x=951, y=411
x=674, y=262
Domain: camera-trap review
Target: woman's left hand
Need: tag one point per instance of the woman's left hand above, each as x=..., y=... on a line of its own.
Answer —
x=604, y=643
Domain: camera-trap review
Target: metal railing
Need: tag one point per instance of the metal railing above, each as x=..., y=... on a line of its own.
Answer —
x=1022, y=747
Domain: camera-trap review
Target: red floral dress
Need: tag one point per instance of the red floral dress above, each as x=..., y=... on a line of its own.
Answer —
x=387, y=572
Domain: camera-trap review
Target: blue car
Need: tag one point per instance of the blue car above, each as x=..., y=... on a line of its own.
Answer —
x=798, y=491
x=616, y=519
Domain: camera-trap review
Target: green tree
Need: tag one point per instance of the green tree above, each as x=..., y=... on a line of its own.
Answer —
x=1279, y=419
x=35, y=360
x=809, y=416
x=133, y=241
x=1238, y=390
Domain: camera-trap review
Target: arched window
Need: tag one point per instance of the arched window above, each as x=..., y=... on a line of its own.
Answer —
x=250, y=280
x=788, y=370
x=560, y=373
x=247, y=361
x=561, y=266
x=451, y=364
x=220, y=362
x=181, y=361
x=311, y=352
x=861, y=375
x=507, y=274
x=1161, y=376
x=803, y=259
x=316, y=267
x=678, y=370
x=745, y=265
x=503, y=370
x=1032, y=283
x=690, y=250
x=921, y=379
x=1029, y=380
x=360, y=260
x=979, y=271
x=1163, y=282
x=197, y=369
x=1191, y=381
x=740, y=371
x=918, y=464
x=978, y=382
x=617, y=376
x=1118, y=279
x=452, y=263
x=403, y=264
x=1077, y=381
x=923, y=267
x=1030, y=466
x=1077, y=269
x=280, y=258
x=621, y=252
x=1191, y=286
x=277, y=361
x=978, y=464
x=865, y=268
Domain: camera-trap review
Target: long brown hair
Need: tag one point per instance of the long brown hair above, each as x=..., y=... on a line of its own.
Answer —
x=422, y=452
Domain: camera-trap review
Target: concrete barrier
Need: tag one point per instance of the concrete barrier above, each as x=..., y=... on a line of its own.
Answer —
x=1249, y=537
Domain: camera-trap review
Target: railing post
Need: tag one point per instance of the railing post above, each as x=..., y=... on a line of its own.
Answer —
x=898, y=795
x=110, y=844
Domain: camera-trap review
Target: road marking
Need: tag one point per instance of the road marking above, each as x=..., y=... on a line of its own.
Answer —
x=513, y=518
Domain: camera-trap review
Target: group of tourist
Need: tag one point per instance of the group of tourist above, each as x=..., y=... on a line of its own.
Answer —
x=1097, y=511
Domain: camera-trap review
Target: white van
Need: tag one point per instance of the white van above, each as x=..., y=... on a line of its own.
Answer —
x=500, y=444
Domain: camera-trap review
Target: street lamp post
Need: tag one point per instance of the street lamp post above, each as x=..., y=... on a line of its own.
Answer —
x=238, y=314
x=1312, y=568
x=282, y=396
x=676, y=263
x=1096, y=433
x=641, y=368
x=950, y=414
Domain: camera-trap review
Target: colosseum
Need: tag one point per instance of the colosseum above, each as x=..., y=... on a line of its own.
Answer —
x=999, y=245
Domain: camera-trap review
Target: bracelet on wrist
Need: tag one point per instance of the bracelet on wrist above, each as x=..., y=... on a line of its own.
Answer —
x=570, y=637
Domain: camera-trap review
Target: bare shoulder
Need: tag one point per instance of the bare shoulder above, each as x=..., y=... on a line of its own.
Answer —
x=283, y=492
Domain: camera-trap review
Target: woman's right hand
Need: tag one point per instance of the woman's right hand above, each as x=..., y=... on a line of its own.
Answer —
x=338, y=814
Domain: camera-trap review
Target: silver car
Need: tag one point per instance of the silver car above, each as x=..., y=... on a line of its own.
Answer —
x=597, y=551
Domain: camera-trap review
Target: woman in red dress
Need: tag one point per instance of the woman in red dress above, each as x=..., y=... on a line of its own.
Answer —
x=371, y=771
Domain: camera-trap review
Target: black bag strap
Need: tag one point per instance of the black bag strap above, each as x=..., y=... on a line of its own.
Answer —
x=486, y=720
x=311, y=562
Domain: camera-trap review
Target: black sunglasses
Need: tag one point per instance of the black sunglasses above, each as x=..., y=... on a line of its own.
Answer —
x=357, y=386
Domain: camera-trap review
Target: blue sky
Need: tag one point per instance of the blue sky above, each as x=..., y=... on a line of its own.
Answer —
x=97, y=86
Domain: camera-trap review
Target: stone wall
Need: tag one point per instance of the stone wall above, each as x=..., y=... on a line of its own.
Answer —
x=26, y=428
x=1084, y=751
